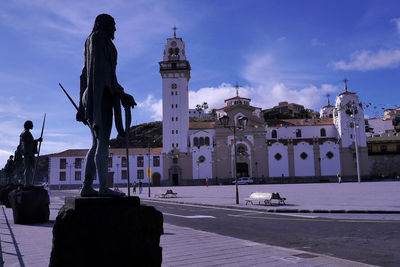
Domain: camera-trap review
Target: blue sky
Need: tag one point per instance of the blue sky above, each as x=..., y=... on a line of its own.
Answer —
x=296, y=51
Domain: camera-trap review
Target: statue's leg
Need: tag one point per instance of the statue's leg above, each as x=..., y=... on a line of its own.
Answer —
x=103, y=141
x=90, y=170
x=27, y=170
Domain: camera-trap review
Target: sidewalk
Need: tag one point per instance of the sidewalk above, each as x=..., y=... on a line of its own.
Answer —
x=371, y=197
x=30, y=245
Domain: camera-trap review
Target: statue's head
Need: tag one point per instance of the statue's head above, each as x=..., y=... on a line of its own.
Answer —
x=11, y=157
x=106, y=24
x=28, y=125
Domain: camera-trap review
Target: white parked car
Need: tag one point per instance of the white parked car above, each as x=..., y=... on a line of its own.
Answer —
x=244, y=180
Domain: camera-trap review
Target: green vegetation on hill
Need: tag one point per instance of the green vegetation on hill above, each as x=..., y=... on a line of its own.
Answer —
x=141, y=136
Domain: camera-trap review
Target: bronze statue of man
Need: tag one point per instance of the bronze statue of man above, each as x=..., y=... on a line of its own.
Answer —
x=100, y=94
x=29, y=149
x=9, y=169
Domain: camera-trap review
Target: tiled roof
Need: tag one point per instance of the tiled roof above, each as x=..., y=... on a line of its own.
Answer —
x=202, y=125
x=114, y=151
x=301, y=122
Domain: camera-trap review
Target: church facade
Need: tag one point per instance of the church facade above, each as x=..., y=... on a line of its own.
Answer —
x=295, y=148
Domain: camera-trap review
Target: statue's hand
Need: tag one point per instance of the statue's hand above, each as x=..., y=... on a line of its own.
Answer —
x=127, y=100
x=40, y=139
x=80, y=116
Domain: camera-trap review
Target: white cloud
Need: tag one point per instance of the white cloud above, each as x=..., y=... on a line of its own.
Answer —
x=367, y=60
x=153, y=106
x=315, y=42
x=396, y=21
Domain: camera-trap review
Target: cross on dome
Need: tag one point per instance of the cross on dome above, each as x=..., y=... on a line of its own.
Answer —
x=345, y=80
x=237, y=89
x=174, y=28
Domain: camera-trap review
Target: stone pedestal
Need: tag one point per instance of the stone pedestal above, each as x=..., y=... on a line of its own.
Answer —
x=107, y=232
x=30, y=204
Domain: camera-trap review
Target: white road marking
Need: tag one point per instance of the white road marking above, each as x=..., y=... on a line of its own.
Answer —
x=190, y=217
x=296, y=215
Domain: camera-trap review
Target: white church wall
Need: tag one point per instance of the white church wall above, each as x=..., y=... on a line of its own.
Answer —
x=281, y=166
x=202, y=170
x=304, y=167
x=307, y=131
x=330, y=164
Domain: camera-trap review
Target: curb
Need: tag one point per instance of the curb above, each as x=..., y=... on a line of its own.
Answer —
x=280, y=210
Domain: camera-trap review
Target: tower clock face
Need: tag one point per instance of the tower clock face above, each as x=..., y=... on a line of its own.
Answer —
x=173, y=43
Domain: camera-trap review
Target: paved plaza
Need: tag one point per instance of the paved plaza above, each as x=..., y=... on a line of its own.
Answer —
x=30, y=245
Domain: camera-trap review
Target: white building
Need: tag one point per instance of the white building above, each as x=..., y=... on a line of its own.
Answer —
x=67, y=169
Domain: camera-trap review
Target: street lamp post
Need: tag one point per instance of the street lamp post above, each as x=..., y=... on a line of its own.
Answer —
x=355, y=142
x=148, y=166
x=242, y=121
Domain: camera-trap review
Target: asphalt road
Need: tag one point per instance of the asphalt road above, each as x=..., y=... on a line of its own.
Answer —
x=368, y=241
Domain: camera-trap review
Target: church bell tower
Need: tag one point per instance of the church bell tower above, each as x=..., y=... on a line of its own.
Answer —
x=175, y=74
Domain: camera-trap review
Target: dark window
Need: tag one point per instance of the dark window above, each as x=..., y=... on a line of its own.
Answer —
x=174, y=86
x=78, y=176
x=78, y=163
x=329, y=155
x=123, y=162
x=398, y=148
x=156, y=161
x=303, y=155
x=63, y=176
x=176, y=105
x=172, y=93
x=176, y=92
x=140, y=174
x=172, y=131
x=173, y=65
x=172, y=106
x=176, y=131
x=140, y=161
x=207, y=141
x=195, y=141
x=278, y=156
x=124, y=175
x=63, y=163
x=110, y=162
x=176, y=118
x=172, y=118
x=298, y=133
x=177, y=144
x=274, y=134
x=201, y=141
x=323, y=132
x=175, y=160
x=383, y=148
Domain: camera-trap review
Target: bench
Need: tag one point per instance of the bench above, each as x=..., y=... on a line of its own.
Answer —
x=265, y=197
x=168, y=194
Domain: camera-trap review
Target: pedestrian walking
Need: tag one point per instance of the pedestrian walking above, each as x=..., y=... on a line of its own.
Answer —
x=339, y=177
x=134, y=187
x=140, y=187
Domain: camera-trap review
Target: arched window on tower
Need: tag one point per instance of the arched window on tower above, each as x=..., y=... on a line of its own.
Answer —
x=274, y=134
x=176, y=51
x=323, y=132
x=201, y=141
x=207, y=141
x=170, y=51
x=196, y=141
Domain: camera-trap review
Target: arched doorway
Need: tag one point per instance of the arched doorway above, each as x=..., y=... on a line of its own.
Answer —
x=242, y=169
x=175, y=172
x=156, y=178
